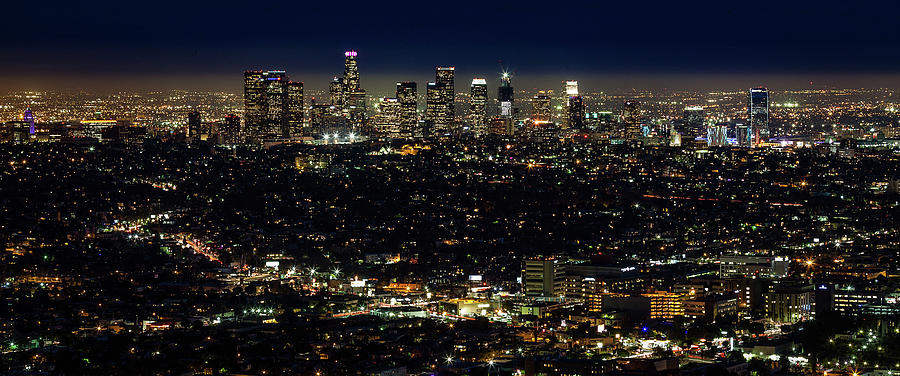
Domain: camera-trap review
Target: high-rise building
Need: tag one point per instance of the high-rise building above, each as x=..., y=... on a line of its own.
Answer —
x=231, y=129
x=571, y=88
x=693, y=118
x=758, y=114
x=631, y=118
x=336, y=92
x=351, y=72
x=540, y=107
x=295, y=110
x=446, y=77
x=193, y=128
x=406, y=95
x=353, y=98
x=505, y=95
x=436, y=109
x=268, y=107
x=478, y=106
x=28, y=117
x=387, y=120
x=254, y=103
x=575, y=112
x=276, y=104
x=716, y=135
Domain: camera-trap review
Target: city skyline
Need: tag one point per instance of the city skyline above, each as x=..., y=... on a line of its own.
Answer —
x=450, y=188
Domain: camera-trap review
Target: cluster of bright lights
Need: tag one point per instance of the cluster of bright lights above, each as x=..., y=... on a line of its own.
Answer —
x=335, y=136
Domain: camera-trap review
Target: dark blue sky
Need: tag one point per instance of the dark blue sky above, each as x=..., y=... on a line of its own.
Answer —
x=396, y=38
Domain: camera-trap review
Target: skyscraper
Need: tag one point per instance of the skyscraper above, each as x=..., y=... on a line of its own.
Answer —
x=271, y=104
x=28, y=117
x=574, y=105
x=351, y=72
x=540, y=107
x=387, y=120
x=571, y=88
x=254, y=103
x=693, y=118
x=336, y=93
x=436, y=109
x=505, y=95
x=276, y=104
x=231, y=129
x=406, y=95
x=295, y=110
x=758, y=114
x=353, y=98
x=446, y=77
x=193, y=128
x=631, y=118
x=478, y=106
x=575, y=112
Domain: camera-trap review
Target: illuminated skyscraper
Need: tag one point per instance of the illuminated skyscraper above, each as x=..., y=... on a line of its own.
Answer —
x=193, y=128
x=571, y=88
x=351, y=71
x=406, y=95
x=540, y=107
x=478, y=106
x=294, y=110
x=446, y=77
x=28, y=117
x=336, y=92
x=436, y=109
x=758, y=114
x=631, y=118
x=694, y=118
x=387, y=120
x=273, y=106
x=505, y=95
x=276, y=104
x=353, y=98
x=231, y=129
x=575, y=112
x=254, y=103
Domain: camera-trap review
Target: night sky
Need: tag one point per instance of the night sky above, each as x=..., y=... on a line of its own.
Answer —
x=188, y=44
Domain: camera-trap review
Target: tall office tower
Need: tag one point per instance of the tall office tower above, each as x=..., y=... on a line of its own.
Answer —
x=294, y=110
x=574, y=105
x=276, y=104
x=268, y=106
x=336, y=92
x=387, y=120
x=693, y=117
x=631, y=118
x=353, y=98
x=436, y=109
x=193, y=128
x=505, y=95
x=478, y=106
x=575, y=112
x=28, y=117
x=356, y=109
x=758, y=114
x=351, y=72
x=254, y=103
x=540, y=107
x=406, y=95
x=571, y=88
x=231, y=129
x=445, y=76
x=717, y=135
